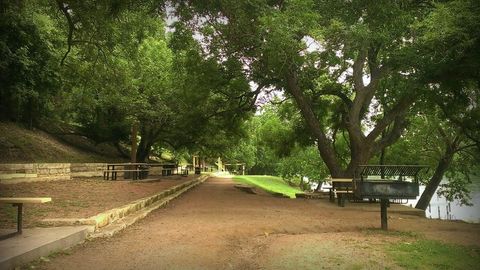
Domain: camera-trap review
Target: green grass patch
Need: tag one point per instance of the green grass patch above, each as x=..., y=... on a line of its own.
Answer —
x=429, y=254
x=268, y=183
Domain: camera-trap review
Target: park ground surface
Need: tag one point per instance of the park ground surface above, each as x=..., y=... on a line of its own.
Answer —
x=216, y=226
x=79, y=198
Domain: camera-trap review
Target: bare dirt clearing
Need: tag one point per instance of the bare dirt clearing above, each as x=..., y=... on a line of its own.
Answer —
x=216, y=226
x=79, y=198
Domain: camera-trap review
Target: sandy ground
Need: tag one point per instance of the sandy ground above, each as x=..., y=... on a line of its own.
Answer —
x=79, y=198
x=216, y=226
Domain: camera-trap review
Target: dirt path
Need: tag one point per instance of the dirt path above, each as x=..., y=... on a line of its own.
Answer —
x=216, y=226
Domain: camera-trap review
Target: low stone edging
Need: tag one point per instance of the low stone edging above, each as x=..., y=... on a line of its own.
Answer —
x=108, y=217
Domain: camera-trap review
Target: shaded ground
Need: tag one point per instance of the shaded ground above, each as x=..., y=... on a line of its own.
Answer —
x=216, y=226
x=79, y=198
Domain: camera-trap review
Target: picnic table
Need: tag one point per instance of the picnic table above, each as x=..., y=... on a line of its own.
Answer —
x=137, y=170
x=342, y=187
x=19, y=202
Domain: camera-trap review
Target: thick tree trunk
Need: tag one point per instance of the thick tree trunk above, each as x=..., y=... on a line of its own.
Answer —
x=437, y=177
x=326, y=150
x=382, y=157
x=301, y=183
x=362, y=147
x=319, y=187
x=360, y=155
x=143, y=151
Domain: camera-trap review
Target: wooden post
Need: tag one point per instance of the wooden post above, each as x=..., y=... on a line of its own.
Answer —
x=383, y=213
x=243, y=169
x=133, y=153
x=19, y=217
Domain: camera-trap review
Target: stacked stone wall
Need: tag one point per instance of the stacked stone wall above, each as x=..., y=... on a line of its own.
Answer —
x=87, y=169
x=155, y=170
x=28, y=172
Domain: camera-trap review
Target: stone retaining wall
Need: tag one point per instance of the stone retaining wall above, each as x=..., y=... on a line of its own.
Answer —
x=29, y=172
x=15, y=173
x=87, y=169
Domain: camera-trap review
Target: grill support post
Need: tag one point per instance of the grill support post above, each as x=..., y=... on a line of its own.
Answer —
x=19, y=217
x=383, y=213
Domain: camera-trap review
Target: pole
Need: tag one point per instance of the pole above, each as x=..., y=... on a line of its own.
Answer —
x=19, y=217
x=383, y=213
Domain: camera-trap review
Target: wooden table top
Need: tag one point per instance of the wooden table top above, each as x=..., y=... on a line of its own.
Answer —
x=343, y=180
x=25, y=200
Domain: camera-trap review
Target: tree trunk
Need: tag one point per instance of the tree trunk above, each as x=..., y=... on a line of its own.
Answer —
x=437, y=177
x=382, y=157
x=143, y=151
x=326, y=150
x=319, y=187
x=133, y=154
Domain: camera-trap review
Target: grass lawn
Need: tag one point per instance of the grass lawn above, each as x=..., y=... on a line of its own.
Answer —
x=268, y=183
x=430, y=254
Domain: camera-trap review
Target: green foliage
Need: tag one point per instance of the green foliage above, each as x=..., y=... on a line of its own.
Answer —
x=446, y=124
x=429, y=254
x=28, y=73
x=277, y=144
x=268, y=138
x=268, y=183
x=450, y=42
x=303, y=161
x=106, y=65
x=103, y=66
x=308, y=49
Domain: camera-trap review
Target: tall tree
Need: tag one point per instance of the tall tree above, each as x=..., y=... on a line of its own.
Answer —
x=450, y=50
x=355, y=51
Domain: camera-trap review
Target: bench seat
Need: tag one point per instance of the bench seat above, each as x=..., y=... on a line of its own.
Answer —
x=122, y=170
x=344, y=191
x=114, y=173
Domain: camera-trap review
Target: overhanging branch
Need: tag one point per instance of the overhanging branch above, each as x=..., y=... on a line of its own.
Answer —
x=71, y=27
x=393, y=115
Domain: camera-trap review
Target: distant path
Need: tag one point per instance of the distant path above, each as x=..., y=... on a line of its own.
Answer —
x=216, y=226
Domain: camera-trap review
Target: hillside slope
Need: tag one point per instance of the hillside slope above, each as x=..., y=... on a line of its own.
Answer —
x=20, y=145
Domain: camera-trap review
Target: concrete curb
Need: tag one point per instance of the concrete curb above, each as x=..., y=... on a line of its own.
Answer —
x=121, y=224
x=111, y=216
x=39, y=242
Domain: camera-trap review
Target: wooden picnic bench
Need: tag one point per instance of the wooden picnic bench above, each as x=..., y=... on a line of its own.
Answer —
x=18, y=202
x=342, y=188
x=167, y=169
x=138, y=170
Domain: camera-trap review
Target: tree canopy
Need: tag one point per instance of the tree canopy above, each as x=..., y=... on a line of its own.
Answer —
x=359, y=81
